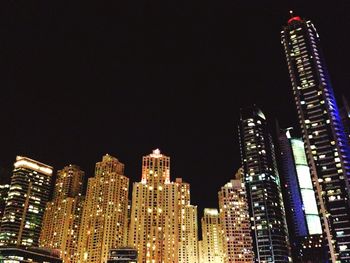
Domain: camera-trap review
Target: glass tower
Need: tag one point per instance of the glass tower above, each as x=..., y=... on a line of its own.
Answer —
x=25, y=205
x=326, y=145
x=266, y=210
x=304, y=225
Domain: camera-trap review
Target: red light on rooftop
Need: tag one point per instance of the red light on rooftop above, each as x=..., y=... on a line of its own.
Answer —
x=294, y=18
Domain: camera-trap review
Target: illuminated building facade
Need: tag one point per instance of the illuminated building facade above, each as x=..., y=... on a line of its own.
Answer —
x=4, y=189
x=69, y=182
x=304, y=224
x=104, y=220
x=188, y=226
x=326, y=145
x=129, y=221
x=212, y=241
x=154, y=227
x=235, y=222
x=266, y=210
x=27, y=197
x=60, y=228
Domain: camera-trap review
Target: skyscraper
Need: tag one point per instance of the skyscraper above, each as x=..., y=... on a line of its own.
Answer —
x=104, y=220
x=60, y=228
x=326, y=145
x=212, y=241
x=25, y=205
x=235, y=221
x=269, y=229
x=154, y=227
x=303, y=219
x=188, y=226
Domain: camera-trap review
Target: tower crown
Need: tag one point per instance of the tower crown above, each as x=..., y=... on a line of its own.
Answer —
x=156, y=153
x=293, y=17
x=25, y=162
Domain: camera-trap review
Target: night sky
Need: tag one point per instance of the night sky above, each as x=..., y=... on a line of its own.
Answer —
x=79, y=80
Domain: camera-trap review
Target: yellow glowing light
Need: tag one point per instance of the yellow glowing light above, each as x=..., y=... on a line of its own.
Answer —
x=31, y=164
x=156, y=153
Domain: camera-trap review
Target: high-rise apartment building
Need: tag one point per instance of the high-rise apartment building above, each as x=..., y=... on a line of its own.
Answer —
x=235, y=221
x=212, y=242
x=104, y=220
x=27, y=197
x=326, y=144
x=60, y=228
x=188, y=226
x=302, y=214
x=154, y=226
x=266, y=210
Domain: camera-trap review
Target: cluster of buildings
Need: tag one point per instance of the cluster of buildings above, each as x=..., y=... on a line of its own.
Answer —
x=289, y=202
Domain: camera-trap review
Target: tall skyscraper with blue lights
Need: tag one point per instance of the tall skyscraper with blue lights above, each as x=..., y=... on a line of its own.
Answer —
x=266, y=210
x=326, y=144
x=304, y=224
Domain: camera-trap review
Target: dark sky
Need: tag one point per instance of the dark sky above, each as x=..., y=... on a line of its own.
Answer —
x=79, y=80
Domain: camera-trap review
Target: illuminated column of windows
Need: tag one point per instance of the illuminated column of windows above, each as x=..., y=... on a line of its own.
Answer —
x=62, y=216
x=305, y=185
x=104, y=219
x=326, y=144
x=235, y=222
x=200, y=252
x=27, y=197
x=212, y=241
x=154, y=212
x=171, y=222
x=188, y=226
x=303, y=219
